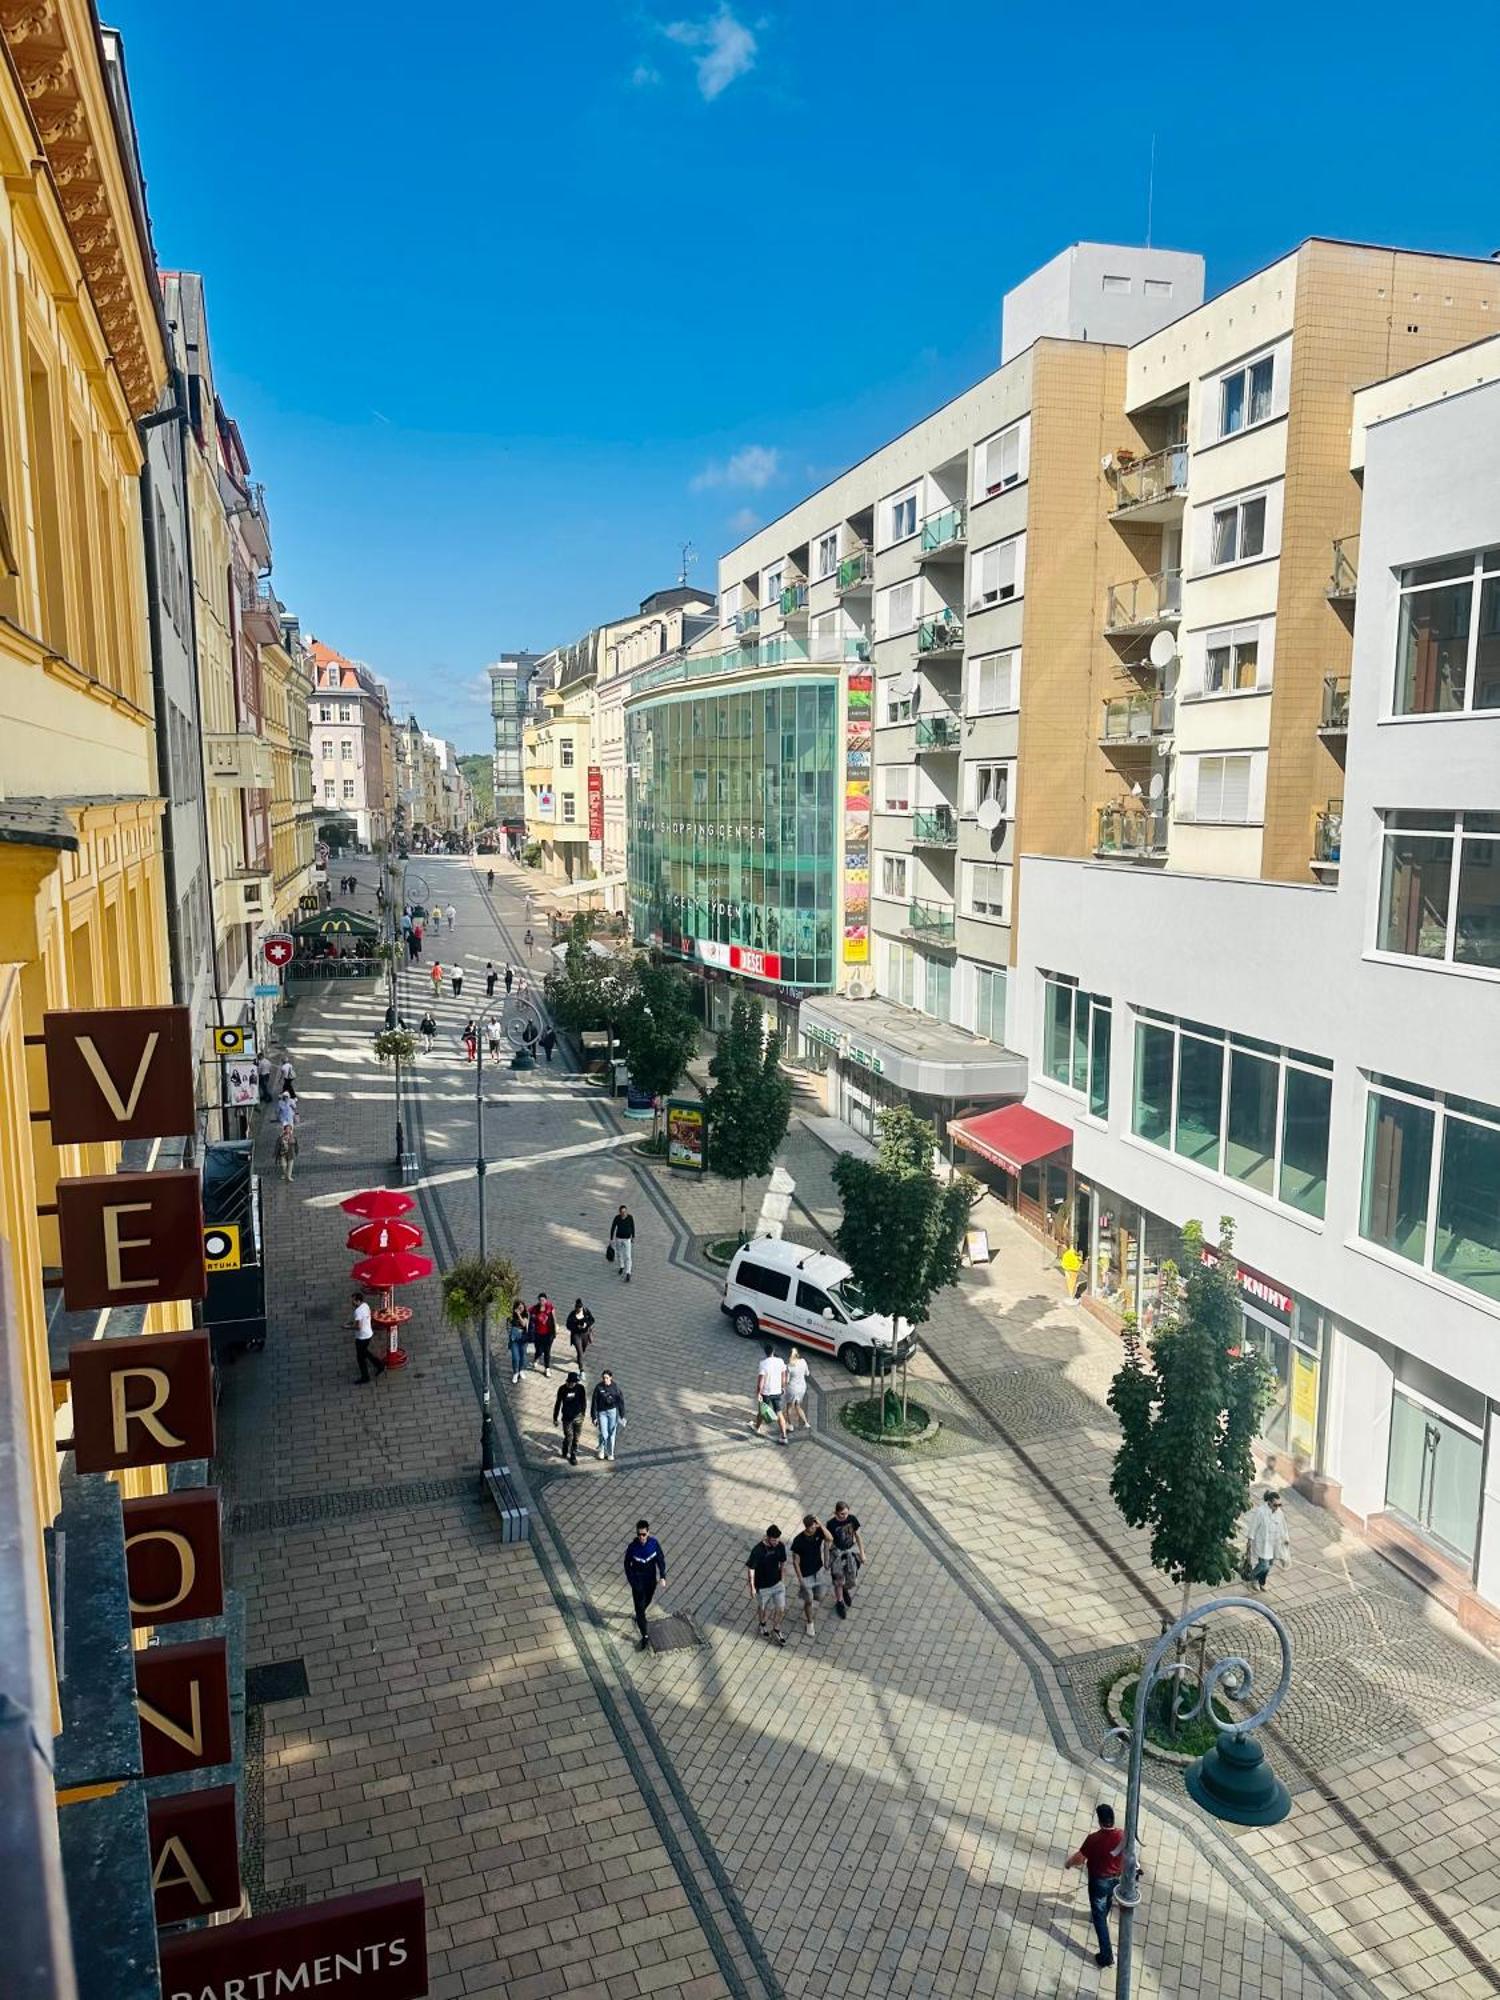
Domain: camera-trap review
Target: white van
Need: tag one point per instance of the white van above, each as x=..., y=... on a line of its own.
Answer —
x=784, y=1291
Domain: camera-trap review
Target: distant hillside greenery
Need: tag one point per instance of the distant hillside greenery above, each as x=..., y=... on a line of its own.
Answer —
x=480, y=772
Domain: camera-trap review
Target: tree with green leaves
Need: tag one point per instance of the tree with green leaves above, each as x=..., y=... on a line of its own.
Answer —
x=902, y=1234
x=750, y=1104
x=1190, y=1403
x=591, y=989
x=658, y=1031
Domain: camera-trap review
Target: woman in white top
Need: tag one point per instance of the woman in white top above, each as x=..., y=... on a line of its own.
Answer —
x=796, y=1391
x=452, y=916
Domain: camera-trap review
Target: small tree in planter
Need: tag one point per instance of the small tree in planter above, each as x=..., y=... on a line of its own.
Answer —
x=658, y=1033
x=397, y=1045
x=903, y=1230
x=591, y=990
x=1189, y=1404
x=750, y=1104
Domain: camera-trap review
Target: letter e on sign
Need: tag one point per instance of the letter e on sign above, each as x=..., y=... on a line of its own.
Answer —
x=195, y=1853
x=147, y=1401
x=174, y=1567
x=131, y=1239
x=182, y=1699
x=119, y=1073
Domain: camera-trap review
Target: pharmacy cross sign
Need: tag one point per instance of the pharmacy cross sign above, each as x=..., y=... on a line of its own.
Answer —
x=278, y=949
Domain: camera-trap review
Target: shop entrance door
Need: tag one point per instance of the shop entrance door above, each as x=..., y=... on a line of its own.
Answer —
x=1434, y=1476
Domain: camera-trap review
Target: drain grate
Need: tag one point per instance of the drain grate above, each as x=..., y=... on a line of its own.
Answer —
x=277, y=1680
x=674, y=1634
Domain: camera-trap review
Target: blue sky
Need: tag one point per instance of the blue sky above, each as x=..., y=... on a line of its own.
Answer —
x=511, y=304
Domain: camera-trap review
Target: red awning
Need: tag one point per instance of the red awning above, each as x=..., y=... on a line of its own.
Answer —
x=1012, y=1136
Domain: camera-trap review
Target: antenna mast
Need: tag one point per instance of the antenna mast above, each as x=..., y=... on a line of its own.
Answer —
x=1151, y=191
x=689, y=557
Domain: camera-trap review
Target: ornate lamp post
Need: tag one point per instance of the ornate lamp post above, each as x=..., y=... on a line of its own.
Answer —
x=1233, y=1782
x=514, y=1015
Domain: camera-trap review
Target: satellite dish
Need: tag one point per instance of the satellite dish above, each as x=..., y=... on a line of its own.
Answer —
x=989, y=814
x=1158, y=785
x=1163, y=650
x=1135, y=789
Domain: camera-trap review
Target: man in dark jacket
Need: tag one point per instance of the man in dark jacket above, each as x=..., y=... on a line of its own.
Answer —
x=568, y=1411
x=607, y=1409
x=645, y=1569
x=622, y=1237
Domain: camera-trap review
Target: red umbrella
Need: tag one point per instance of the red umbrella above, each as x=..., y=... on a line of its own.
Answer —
x=371, y=1236
x=379, y=1204
x=392, y=1267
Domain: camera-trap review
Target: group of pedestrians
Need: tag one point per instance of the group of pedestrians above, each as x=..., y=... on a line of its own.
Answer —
x=780, y=1392
x=535, y=1326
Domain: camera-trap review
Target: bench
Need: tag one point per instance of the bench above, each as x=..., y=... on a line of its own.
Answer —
x=515, y=1515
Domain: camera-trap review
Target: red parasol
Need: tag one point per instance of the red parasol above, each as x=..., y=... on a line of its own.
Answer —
x=391, y=1267
x=372, y=1236
x=379, y=1204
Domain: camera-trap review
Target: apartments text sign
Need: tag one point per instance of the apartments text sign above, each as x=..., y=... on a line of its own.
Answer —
x=368, y=1947
x=119, y=1073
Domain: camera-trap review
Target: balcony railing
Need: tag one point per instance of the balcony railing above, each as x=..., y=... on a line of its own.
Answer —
x=1137, y=718
x=939, y=732
x=1144, y=602
x=1129, y=830
x=793, y=599
x=932, y=922
x=1344, y=575
x=746, y=621
x=944, y=531
x=783, y=649
x=831, y=648
x=1146, y=482
x=937, y=828
x=1334, y=720
x=944, y=634
x=854, y=572
x=1328, y=835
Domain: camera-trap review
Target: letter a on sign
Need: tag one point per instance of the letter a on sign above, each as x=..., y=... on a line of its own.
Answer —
x=148, y=1401
x=195, y=1853
x=119, y=1073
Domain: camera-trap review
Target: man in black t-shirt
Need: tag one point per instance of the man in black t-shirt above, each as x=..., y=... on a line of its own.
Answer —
x=807, y=1560
x=765, y=1582
x=847, y=1555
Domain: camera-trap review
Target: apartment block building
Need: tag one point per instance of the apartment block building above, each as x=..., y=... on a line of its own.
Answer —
x=353, y=741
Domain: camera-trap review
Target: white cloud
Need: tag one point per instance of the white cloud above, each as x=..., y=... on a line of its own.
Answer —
x=725, y=49
x=744, y=521
x=755, y=466
x=643, y=76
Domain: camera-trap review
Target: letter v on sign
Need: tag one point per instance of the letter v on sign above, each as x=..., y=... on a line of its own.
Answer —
x=119, y=1073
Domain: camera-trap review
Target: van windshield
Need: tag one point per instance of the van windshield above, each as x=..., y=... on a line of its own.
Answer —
x=850, y=1297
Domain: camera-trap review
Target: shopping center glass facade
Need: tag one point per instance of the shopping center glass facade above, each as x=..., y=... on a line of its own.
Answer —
x=733, y=826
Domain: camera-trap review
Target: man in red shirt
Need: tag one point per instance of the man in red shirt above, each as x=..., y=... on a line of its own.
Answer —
x=1103, y=1856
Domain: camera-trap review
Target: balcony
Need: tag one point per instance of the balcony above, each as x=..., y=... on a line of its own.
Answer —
x=939, y=732
x=935, y=828
x=1344, y=575
x=1137, y=718
x=793, y=599
x=1144, y=604
x=943, y=535
x=1334, y=717
x=260, y=614
x=1328, y=835
x=1127, y=831
x=246, y=896
x=854, y=573
x=235, y=757
x=746, y=621
x=829, y=648
x=930, y=923
x=783, y=649
x=941, y=637
x=1152, y=489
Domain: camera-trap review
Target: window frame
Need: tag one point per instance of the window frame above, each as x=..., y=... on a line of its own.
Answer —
x=1005, y=593
x=1459, y=837
x=1243, y=372
x=974, y=676
x=1231, y=638
x=1221, y=510
x=892, y=510
x=1478, y=576
x=1063, y=982
x=1443, y=1107
x=889, y=773
x=897, y=693
x=899, y=865
x=828, y=543
x=1224, y=758
x=885, y=628
x=983, y=1008
x=985, y=487
x=1002, y=872
x=989, y=778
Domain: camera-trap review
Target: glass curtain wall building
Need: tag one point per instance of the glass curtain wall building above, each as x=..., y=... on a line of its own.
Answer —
x=733, y=827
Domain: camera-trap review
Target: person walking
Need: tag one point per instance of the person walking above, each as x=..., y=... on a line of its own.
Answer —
x=1102, y=1856
x=437, y=977
x=489, y=879
x=286, y=1134
x=846, y=1557
x=490, y=977
x=492, y=1036
x=427, y=1029
x=1268, y=1539
x=263, y=1077
x=622, y=1241
x=607, y=1408
x=509, y=979
x=406, y=921
x=569, y=1408
x=516, y=1334
x=645, y=1572
x=458, y=982
x=807, y=1561
x=471, y=1040
x=580, y=1325
x=418, y=932
x=548, y=1042
x=286, y=1077
x=770, y=1385
x=364, y=1334
x=452, y=916
x=796, y=1391
x=766, y=1581
x=543, y=1331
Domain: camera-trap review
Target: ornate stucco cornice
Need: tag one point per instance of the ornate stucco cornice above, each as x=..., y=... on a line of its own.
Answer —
x=53, y=47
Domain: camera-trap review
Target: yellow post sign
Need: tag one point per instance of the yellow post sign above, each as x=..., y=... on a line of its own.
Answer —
x=234, y=1041
x=221, y=1247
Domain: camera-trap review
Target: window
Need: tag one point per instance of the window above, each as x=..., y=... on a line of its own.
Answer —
x=570, y=808
x=773, y=583
x=1239, y=531
x=328, y=790
x=895, y=788
x=896, y=609
x=900, y=982
x=989, y=1003
x=348, y=788
x=1448, y=637
x=937, y=988
x=1243, y=1108
x=989, y=890
x=1223, y=795
x=986, y=782
x=995, y=574
x=1440, y=888
x=828, y=554
x=1232, y=660
x=346, y=713
x=1076, y=1039
x=1001, y=460
x=893, y=876
x=1114, y=284
x=346, y=750
x=325, y=711
x=761, y=1278
x=898, y=700
x=900, y=516
x=1432, y=1182
x=1158, y=288
x=811, y=1300
x=1245, y=395
x=994, y=682
x=565, y=750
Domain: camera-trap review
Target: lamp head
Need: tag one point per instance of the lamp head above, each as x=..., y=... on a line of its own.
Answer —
x=1235, y=1783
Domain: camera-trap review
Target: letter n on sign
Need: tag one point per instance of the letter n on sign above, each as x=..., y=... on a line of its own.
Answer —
x=195, y=1853
x=119, y=1073
x=174, y=1566
x=182, y=1699
x=148, y=1401
x=131, y=1239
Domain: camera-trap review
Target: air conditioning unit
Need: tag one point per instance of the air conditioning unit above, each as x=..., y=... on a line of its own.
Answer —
x=859, y=989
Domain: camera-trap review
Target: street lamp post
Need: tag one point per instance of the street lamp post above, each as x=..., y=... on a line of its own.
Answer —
x=1233, y=1782
x=481, y=1165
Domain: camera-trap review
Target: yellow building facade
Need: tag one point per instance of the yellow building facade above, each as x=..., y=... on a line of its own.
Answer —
x=286, y=675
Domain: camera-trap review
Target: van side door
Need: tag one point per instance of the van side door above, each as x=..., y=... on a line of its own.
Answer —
x=811, y=1304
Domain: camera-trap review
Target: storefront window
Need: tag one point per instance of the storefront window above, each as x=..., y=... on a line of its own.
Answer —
x=1160, y=1243
x=1116, y=1251
x=1434, y=1474
x=1151, y=1112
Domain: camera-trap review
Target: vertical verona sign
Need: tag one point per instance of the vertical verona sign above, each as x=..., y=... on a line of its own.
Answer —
x=367, y=1947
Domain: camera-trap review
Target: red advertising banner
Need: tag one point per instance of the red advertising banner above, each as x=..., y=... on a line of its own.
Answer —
x=372, y=1946
x=755, y=964
x=596, y=803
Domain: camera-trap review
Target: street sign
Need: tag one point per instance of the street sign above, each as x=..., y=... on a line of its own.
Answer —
x=221, y=1246
x=234, y=1041
x=278, y=949
x=271, y=992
